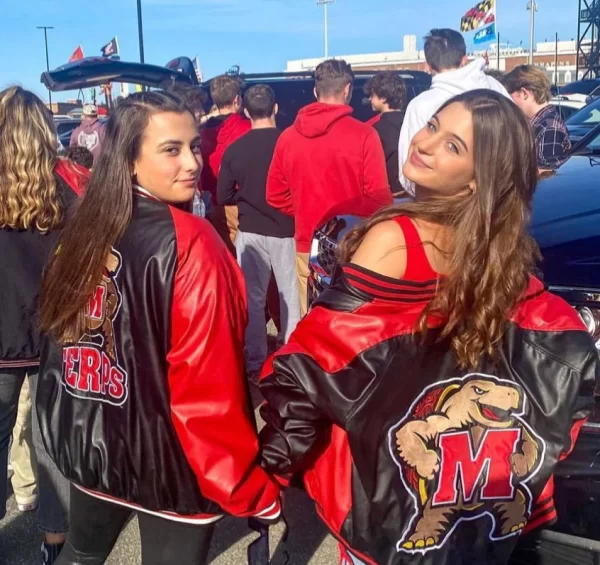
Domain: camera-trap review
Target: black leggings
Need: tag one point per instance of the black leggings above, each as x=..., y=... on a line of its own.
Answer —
x=96, y=525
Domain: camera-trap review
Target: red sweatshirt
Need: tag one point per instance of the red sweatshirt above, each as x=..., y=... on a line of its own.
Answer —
x=218, y=134
x=327, y=163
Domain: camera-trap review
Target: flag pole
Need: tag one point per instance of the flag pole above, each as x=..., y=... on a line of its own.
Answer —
x=498, y=34
x=498, y=53
x=556, y=60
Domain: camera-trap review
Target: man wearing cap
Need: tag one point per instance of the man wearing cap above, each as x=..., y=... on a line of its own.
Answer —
x=90, y=134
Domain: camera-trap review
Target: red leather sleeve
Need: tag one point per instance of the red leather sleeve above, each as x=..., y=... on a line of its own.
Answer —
x=73, y=174
x=279, y=194
x=210, y=407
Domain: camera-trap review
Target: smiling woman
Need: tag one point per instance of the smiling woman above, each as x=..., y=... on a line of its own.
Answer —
x=431, y=389
x=169, y=162
x=142, y=372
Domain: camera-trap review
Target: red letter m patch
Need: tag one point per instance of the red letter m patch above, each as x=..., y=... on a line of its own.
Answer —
x=463, y=468
x=96, y=306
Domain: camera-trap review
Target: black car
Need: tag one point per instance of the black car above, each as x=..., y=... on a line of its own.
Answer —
x=589, y=88
x=584, y=121
x=293, y=91
x=566, y=226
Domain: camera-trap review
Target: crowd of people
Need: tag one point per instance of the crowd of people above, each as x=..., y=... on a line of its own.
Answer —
x=425, y=398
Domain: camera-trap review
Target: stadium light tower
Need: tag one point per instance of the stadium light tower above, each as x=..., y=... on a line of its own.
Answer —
x=140, y=30
x=325, y=3
x=46, y=28
x=533, y=8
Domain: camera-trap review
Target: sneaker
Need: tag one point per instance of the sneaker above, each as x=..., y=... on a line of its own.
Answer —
x=28, y=506
x=50, y=552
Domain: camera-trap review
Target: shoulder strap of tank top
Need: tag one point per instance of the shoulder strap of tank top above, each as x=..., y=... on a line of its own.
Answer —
x=418, y=267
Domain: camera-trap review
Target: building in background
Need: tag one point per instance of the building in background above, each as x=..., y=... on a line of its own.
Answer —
x=412, y=58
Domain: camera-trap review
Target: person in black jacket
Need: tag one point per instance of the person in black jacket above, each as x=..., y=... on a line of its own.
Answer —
x=387, y=93
x=432, y=389
x=265, y=240
x=142, y=400
x=36, y=190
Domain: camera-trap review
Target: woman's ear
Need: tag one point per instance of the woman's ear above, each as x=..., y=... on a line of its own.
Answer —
x=472, y=186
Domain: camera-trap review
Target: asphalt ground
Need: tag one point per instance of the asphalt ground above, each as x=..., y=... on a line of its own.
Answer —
x=308, y=542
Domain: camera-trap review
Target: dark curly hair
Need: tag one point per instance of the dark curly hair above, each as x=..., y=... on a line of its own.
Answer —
x=389, y=87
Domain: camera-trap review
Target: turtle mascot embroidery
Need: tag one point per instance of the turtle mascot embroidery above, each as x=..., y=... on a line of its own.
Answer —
x=465, y=453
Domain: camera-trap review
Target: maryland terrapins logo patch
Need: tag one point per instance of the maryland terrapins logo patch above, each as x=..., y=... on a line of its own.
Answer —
x=465, y=453
x=91, y=368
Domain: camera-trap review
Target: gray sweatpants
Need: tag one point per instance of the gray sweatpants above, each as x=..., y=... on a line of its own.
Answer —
x=257, y=255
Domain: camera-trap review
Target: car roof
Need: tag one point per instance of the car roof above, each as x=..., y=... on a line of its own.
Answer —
x=406, y=74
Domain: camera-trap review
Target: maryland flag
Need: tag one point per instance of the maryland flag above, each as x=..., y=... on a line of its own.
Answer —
x=481, y=15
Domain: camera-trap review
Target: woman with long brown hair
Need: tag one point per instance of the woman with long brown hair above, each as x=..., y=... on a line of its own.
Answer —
x=142, y=399
x=430, y=392
x=36, y=189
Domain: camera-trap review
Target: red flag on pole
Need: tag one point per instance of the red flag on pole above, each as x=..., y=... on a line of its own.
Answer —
x=77, y=55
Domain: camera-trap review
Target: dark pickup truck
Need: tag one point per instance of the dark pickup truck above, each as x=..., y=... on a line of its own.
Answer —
x=566, y=225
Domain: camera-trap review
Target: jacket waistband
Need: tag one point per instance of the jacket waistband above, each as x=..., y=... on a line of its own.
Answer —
x=18, y=363
x=200, y=519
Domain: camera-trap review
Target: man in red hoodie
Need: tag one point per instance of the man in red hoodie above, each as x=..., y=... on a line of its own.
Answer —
x=327, y=163
x=218, y=134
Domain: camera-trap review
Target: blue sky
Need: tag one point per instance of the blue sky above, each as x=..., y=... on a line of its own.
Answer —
x=258, y=35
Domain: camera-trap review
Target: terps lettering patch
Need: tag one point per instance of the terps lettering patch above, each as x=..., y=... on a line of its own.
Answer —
x=91, y=367
x=465, y=453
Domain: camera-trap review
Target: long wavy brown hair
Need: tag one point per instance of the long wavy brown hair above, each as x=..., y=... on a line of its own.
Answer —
x=491, y=255
x=100, y=219
x=28, y=153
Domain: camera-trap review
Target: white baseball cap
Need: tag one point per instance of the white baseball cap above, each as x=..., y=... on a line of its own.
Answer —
x=90, y=110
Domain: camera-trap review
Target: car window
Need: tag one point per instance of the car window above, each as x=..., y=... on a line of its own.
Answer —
x=566, y=112
x=588, y=115
x=66, y=127
x=593, y=145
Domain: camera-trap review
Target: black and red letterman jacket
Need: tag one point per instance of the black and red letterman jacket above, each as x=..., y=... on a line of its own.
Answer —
x=409, y=459
x=150, y=408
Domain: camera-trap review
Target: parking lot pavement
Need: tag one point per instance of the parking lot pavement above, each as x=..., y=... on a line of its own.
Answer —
x=308, y=542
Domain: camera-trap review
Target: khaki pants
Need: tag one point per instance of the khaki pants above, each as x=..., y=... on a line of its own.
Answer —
x=225, y=220
x=302, y=272
x=22, y=454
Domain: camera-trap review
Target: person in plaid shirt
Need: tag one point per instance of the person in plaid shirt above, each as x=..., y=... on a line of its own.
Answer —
x=529, y=88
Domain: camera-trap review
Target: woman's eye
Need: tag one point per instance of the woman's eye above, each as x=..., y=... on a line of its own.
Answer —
x=453, y=147
x=431, y=126
x=196, y=149
x=172, y=150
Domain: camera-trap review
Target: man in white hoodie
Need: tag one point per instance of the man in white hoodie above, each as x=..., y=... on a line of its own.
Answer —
x=446, y=57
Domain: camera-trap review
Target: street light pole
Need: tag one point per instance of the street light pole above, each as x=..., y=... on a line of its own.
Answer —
x=325, y=3
x=140, y=30
x=533, y=7
x=46, y=28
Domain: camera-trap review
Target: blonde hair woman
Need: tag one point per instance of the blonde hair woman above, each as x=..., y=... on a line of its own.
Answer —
x=36, y=188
